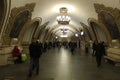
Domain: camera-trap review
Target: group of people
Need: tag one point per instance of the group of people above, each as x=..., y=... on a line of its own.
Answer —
x=36, y=49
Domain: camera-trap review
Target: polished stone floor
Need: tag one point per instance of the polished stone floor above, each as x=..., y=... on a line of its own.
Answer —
x=60, y=64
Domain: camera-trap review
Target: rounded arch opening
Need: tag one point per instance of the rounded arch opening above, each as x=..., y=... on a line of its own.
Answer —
x=109, y=22
x=18, y=24
x=98, y=32
x=30, y=32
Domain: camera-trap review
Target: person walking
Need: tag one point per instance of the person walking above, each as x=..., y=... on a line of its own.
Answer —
x=99, y=53
x=35, y=53
x=87, y=45
x=94, y=45
x=103, y=46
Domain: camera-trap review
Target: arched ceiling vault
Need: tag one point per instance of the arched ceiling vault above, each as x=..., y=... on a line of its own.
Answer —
x=68, y=27
x=78, y=10
x=60, y=32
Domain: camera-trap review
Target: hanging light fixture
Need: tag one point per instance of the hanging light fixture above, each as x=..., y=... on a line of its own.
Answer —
x=82, y=33
x=63, y=18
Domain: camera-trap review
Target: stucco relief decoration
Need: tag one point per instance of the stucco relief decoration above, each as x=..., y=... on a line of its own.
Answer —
x=18, y=17
x=110, y=23
x=19, y=22
x=110, y=17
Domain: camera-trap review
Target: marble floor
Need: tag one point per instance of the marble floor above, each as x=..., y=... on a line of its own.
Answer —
x=60, y=64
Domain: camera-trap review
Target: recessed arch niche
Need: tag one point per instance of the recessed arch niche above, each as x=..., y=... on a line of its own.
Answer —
x=109, y=21
x=86, y=30
x=41, y=32
x=98, y=32
x=15, y=23
x=18, y=24
x=30, y=33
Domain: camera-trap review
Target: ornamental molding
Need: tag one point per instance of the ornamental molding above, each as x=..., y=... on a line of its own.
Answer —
x=14, y=13
x=102, y=26
x=115, y=12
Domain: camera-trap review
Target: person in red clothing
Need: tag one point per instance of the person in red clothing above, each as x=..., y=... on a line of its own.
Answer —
x=16, y=54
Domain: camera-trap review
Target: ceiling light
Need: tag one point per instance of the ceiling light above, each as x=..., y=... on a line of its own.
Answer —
x=63, y=18
x=82, y=33
x=76, y=35
x=64, y=36
x=56, y=37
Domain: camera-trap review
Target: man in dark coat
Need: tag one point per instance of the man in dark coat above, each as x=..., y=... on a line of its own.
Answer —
x=35, y=53
x=99, y=53
x=94, y=45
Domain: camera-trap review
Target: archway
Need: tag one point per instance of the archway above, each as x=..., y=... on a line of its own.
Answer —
x=20, y=20
x=98, y=32
x=30, y=33
x=109, y=21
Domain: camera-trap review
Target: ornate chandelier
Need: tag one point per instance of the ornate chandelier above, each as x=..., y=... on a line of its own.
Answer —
x=63, y=18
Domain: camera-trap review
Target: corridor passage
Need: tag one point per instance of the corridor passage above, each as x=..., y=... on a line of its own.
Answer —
x=60, y=64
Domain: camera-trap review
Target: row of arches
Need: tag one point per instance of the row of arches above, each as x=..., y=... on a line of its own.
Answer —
x=106, y=27
x=21, y=29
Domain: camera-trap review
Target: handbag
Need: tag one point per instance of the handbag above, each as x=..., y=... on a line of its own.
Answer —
x=23, y=57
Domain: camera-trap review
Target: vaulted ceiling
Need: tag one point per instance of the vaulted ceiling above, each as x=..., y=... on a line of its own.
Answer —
x=78, y=10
